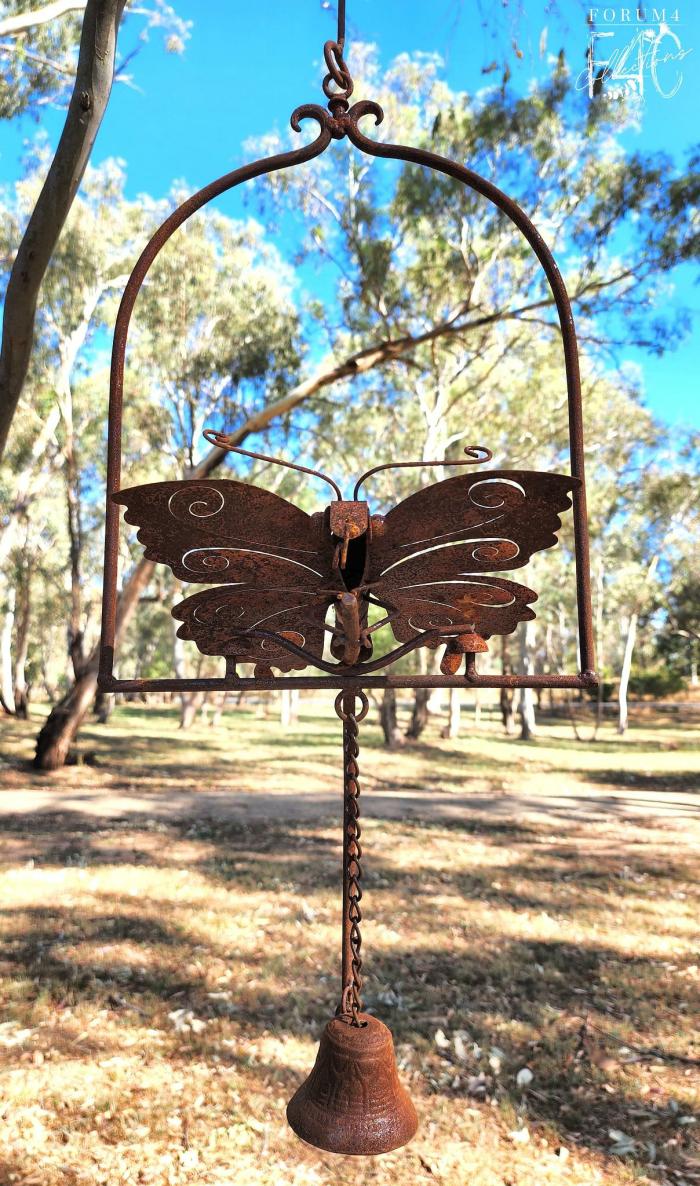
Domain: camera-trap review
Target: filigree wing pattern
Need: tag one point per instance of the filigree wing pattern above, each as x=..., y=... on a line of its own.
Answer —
x=217, y=621
x=270, y=561
x=503, y=519
x=481, y=605
x=220, y=531
x=430, y=554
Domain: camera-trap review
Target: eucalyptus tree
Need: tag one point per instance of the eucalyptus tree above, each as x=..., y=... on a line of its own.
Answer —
x=425, y=289
x=38, y=63
x=437, y=288
x=215, y=340
x=39, y=49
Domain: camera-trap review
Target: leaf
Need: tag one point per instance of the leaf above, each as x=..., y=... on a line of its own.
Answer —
x=460, y=1046
x=622, y=1144
x=185, y=1021
x=496, y=1058
x=524, y=1077
x=441, y=1041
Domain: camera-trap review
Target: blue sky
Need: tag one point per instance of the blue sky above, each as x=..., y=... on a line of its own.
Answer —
x=246, y=66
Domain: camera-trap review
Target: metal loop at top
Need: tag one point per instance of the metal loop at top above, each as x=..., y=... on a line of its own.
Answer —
x=346, y=716
x=338, y=72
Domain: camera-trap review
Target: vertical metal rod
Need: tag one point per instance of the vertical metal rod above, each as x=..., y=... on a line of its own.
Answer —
x=341, y=24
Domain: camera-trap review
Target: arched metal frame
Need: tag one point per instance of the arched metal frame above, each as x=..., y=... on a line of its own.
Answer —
x=335, y=124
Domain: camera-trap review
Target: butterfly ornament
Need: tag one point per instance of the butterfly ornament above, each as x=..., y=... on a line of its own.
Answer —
x=281, y=582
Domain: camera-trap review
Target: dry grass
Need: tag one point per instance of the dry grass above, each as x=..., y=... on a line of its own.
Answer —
x=165, y=974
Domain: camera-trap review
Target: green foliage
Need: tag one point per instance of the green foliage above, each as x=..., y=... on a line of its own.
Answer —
x=227, y=323
x=657, y=682
x=38, y=61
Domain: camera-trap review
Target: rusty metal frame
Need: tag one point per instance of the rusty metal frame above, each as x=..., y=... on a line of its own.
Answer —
x=335, y=123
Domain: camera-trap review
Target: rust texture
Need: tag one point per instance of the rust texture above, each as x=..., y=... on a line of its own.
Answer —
x=351, y=971
x=429, y=565
x=285, y=591
x=353, y=1101
x=283, y=581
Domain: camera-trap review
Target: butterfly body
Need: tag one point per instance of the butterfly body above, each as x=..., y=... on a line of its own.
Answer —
x=280, y=580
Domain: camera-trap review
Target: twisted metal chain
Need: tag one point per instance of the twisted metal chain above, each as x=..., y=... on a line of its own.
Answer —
x=351, y=1001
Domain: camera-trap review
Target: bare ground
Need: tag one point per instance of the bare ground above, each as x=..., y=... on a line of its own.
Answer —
x=170, y=920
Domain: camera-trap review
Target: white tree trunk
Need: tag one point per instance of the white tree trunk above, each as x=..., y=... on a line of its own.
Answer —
x=454, y=716
x=7, y=690
x=625, y=672
x=286, y=708
x=526, y=704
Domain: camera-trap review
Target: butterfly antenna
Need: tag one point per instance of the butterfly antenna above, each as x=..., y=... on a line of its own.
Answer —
x=476, y=455
x=220, y=441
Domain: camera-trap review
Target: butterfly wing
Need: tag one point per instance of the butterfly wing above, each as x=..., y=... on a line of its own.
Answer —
x=431, y=553
x=215, y=531
x=483, y=605
x=217, y=621
x=270, y=561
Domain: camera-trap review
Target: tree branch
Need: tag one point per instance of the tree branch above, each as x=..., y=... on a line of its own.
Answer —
x=10, y=50
x=11, y=25
x=93, y=85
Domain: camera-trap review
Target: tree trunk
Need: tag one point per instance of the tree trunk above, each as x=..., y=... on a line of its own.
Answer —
x=102, y=708
x=389, y=720
x=526, y=704
x=507, y=700
x=55, y=739
x=625, y=672
x=218, y=710
x=7, y=693
x=477, y=708
x=93, y=86
x=190, y=704
x=454, y=715
x=71, y=472
x=507, y=697
x=420, y=714
x=21, y=689
x=289, y=707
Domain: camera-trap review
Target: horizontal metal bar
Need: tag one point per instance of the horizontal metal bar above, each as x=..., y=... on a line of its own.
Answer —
x=586, y=679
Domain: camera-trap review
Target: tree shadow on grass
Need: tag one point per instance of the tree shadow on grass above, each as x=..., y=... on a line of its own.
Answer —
x=673, y=780
x=542, y=1003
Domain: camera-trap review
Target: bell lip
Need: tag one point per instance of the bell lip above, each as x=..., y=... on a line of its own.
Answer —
x=371, y=1145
